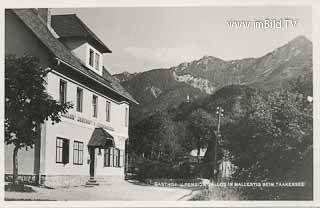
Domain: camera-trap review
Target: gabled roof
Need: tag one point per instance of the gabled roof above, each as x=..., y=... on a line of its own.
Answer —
x=101, y=138
x=30, y=18
x=70, y=26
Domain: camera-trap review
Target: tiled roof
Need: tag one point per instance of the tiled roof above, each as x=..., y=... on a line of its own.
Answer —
x=69, y=25
x=41, y=31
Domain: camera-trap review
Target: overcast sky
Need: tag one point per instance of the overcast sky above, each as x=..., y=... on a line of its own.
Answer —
x=147, y=38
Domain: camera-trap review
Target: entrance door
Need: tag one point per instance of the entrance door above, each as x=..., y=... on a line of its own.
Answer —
x=92, y=161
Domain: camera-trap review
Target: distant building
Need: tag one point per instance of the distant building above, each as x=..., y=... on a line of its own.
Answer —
x=194, y=152
x=91, y=138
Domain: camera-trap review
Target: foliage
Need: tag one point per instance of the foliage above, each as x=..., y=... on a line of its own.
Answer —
x=157, y=138
x=200, y=130
x=26, y=102
x=267, y=133
x=155, y=169
x=270, y=140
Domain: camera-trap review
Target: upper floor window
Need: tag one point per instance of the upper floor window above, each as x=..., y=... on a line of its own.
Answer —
x=108, y=111
x=97, y=61
x=79, y=99
x=62, y=150
x=63, y=91
x=91, y=57
x=126, y=117
x=94, y=59
x=95, y=105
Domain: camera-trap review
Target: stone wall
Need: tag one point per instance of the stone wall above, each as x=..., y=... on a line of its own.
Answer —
x=54, y=181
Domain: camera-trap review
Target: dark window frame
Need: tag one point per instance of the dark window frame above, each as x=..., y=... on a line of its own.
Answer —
x=63, y=91
x=95, y=105
x=108, y=106
x=116, y=157
x=62, y=149
x=112, y=157
x=91, y=57
x=96, y=61
x=106, y=161
x=79, y=99
x=78, y=150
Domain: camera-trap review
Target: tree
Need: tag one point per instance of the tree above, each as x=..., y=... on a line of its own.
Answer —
x=156, y=137
x=272, y=137
x=200, y=127
x=27, y=104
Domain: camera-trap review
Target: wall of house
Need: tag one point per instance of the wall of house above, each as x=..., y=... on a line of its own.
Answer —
x=77, y=47
x=19, y=40
x=80, y=49
x=71, y=128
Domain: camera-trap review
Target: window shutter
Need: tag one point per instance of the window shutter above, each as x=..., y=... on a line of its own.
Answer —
x=65, y=151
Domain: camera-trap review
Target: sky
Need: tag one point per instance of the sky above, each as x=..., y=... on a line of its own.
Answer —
x=145, y=38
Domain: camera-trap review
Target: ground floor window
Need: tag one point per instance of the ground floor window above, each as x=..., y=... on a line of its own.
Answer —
x=113, y=157
x=62, y=150
x=78, y=153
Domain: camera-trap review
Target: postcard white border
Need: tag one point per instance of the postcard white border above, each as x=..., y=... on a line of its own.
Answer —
x=172, y=3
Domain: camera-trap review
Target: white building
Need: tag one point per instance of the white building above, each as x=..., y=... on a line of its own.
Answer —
x=91, y=138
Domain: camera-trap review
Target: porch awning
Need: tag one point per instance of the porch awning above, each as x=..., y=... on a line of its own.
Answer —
x=101, y=138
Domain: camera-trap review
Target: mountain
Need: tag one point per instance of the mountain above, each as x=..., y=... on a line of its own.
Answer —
x=286, y=62
x=124, y=76
x=159, y=89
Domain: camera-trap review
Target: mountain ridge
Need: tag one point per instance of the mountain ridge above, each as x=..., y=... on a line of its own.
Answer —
x=160, y=88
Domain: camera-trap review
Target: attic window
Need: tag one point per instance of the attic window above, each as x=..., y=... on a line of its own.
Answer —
x=91, y=57
x=97, y=61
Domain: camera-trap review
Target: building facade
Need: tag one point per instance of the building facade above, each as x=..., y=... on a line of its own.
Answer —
x=90, y=140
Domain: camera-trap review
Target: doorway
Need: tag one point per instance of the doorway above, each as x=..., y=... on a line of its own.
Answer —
x=92, y=161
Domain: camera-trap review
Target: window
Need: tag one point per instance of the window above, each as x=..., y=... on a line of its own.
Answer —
x=108, y=111
x=95, y=105
x=63, y=91
x=112, y=157
x=121, y=158
x=97, y=61
x=116, y=158
x=78, y=153
x=62, y=150
x=91, y=57
x=126, y=117
x=79, y=99
x=107, y=157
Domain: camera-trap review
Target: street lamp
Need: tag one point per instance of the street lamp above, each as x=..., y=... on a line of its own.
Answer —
x=219, y=113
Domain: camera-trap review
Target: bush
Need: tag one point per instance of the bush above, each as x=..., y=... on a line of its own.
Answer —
x=154, y=169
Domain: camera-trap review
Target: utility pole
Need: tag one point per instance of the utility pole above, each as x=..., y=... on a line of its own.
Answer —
x=218, y=135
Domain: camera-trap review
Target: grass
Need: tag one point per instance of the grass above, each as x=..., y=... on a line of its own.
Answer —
x=219, y=193
x=250, y=193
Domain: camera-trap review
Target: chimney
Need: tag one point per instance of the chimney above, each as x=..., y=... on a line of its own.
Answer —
x=45, y=14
